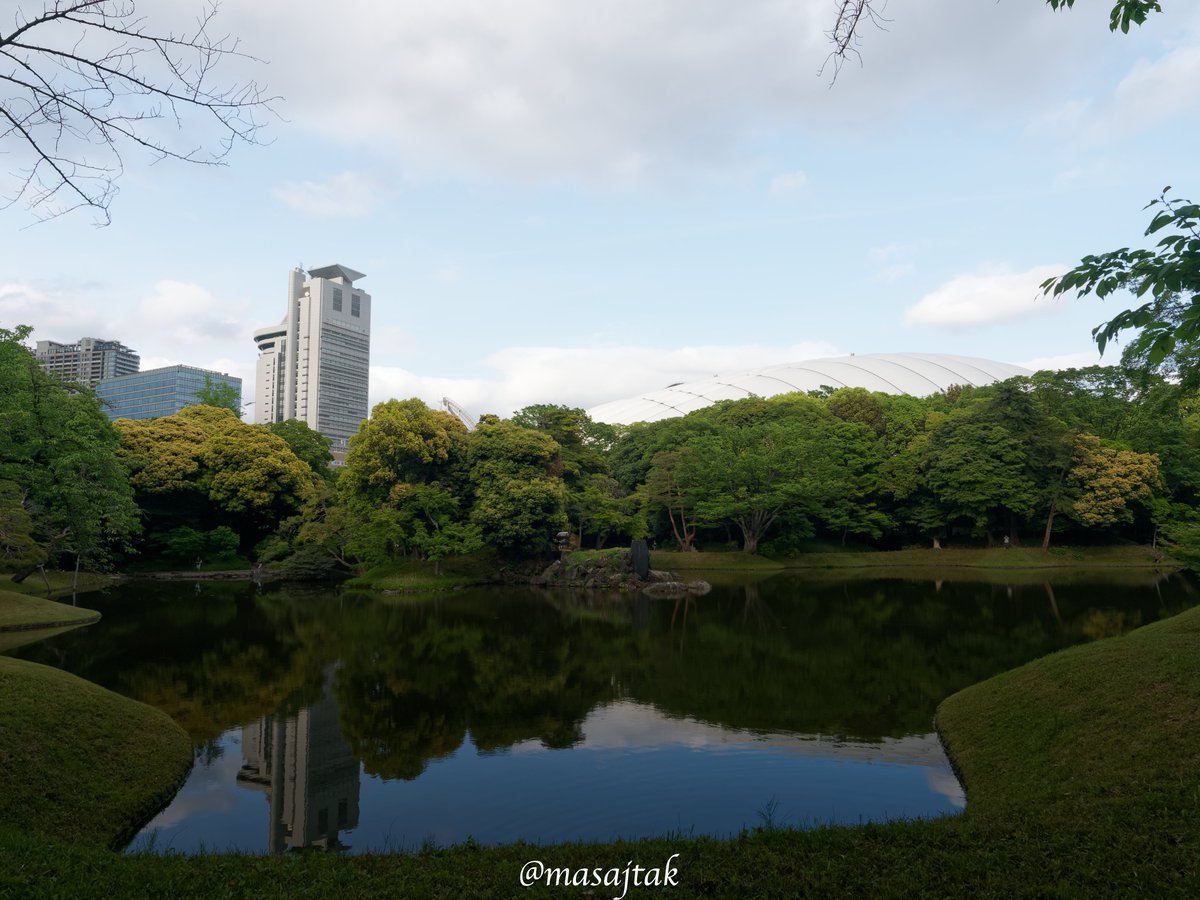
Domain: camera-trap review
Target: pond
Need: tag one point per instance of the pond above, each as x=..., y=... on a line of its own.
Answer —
x=329, y=719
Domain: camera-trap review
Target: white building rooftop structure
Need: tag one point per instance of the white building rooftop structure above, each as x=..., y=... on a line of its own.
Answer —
x=918, y=374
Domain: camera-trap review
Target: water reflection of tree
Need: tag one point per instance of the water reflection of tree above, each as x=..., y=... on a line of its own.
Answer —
x=427, y=677
x=418, y=677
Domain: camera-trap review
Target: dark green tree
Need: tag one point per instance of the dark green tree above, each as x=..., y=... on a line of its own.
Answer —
x=58, y=454
x=308, y=444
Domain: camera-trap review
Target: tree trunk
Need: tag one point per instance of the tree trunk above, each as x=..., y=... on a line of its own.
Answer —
x=1049, y=525
x=749, y=539
x=75, y=581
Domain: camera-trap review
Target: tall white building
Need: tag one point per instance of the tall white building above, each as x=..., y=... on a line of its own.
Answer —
x=313, y=365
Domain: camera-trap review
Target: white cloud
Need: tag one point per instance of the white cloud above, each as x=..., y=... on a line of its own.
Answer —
x=992, y=296
x=344, y=194
x=581, y=376
x=788, y=183
x=1154, y=91
x=177, y=323
x=56, y=312
x=896, y=272
x=625, y=89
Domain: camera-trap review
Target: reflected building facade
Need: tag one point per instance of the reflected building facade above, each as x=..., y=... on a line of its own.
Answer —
x=307, y=772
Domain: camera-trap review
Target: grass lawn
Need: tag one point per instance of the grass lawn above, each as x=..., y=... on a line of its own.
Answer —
x=1082, y=771
x=23, y=611
x=414, y=576
x=60, y=583
x=1015, y=559
x=78, y=762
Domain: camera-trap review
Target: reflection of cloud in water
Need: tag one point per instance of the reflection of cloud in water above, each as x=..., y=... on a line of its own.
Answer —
x=206, y=790
x=632, y=726
x=943, y=781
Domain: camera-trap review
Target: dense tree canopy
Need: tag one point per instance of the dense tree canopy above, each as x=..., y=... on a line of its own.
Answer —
x=203, y=468
x=63, y=490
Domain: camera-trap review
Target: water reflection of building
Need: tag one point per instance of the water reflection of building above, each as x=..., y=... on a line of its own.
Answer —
x=308, y=773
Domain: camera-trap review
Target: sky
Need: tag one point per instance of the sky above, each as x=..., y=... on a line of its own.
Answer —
x=565, y=202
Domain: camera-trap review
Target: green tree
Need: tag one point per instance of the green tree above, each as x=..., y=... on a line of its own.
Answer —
x=751, y=475
x=519, y=496
x=203, y=467
x=663, y=490
x=403, y=442
x=58, y=451
x=220, y=394
x=19, y=546
x=976, y=470
x=1169, y=321
x=308, y=444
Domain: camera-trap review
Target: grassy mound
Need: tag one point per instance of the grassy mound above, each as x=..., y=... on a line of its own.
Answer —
x=1082, y=770
x=22, y=611
x=78, y=762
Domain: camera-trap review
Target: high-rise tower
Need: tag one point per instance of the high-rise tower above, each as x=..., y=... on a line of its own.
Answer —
x=88, y=360
x=313, y=365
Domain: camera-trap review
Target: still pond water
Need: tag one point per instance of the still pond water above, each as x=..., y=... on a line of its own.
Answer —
x=330, y=719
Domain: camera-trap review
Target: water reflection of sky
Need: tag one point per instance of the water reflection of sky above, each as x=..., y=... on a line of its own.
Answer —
x=636, y=773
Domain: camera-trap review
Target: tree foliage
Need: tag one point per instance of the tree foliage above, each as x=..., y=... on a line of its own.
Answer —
x=64, y=489
x=203, y=467
x=220, y=394
x=1167, y=324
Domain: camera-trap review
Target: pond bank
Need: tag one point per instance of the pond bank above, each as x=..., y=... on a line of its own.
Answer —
x=1082, y=771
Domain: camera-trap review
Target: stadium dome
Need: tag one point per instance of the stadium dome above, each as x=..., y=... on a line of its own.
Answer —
x=918, y=374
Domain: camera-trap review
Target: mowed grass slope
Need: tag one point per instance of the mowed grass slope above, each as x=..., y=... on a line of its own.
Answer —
x=24, y=611
x=78, y=762
x=1083, y=778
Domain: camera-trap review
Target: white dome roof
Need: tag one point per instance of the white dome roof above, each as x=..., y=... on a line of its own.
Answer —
x=919, y=374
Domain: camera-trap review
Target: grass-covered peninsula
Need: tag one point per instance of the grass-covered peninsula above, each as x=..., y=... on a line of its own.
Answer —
x=1082, y=770
x=20, y=612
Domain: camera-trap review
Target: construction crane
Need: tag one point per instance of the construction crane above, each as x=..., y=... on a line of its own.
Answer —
x=465, y=417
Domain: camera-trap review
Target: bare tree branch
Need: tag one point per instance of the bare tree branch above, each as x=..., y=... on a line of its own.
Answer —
x=846, y=32
x=82, y=81
x=845, y=35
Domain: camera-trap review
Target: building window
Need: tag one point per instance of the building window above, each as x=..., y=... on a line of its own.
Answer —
x=337, y=299
x=355, y=304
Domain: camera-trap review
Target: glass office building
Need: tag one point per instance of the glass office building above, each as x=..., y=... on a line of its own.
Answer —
x=158, y=392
